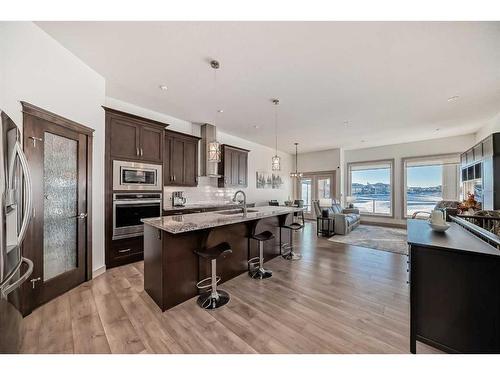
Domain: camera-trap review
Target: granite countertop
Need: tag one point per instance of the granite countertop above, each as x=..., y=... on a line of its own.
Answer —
x=192, y=222
x=194, y=206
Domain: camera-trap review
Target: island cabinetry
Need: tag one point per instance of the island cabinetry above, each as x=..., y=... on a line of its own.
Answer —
x=180, y=167
x=454, y=290
x=172, y=269
x=233, y=167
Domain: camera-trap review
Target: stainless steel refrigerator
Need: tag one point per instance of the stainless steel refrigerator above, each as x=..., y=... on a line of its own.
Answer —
x=16, y=211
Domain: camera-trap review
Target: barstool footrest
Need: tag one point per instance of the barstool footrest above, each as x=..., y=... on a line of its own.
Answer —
x=254, y=262
x=208, y=281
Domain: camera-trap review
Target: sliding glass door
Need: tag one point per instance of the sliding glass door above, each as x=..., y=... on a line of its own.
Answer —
x=306, y=193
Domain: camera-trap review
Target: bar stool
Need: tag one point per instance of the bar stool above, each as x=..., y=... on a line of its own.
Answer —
x=290, y=254
x=256, y=265
x=212, y=298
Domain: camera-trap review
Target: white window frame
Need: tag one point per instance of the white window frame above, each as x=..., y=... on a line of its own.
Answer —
x=440, y=159
x=368, y=163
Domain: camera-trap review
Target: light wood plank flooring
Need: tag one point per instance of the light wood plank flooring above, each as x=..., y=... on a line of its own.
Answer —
x=337, y=299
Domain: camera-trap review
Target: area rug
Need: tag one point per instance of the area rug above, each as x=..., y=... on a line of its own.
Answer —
x=375, y=237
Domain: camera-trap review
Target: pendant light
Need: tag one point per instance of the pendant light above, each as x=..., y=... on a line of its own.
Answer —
x=275, y=160
x=296, y=174
x=213, y=148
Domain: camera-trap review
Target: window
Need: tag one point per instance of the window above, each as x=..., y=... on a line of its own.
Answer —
x=371, y=185
x=324, y=188
x=428, y=181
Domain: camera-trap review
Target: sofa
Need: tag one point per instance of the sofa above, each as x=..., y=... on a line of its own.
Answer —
x=345, y=220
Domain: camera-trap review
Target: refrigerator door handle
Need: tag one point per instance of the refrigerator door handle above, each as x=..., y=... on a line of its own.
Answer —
x=28, y=196
x=11, y=287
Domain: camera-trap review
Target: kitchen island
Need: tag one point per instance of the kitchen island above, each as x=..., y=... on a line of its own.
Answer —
x=454, y=289
x=172, y=269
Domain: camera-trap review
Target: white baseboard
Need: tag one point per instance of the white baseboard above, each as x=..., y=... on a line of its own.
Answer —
x=98, y=271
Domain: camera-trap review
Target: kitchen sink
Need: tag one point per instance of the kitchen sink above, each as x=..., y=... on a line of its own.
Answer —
x=235, y=212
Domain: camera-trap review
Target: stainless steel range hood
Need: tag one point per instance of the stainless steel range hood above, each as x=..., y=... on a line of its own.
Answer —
x=208, y=134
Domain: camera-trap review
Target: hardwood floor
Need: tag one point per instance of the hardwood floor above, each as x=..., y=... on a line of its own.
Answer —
x=337, y=299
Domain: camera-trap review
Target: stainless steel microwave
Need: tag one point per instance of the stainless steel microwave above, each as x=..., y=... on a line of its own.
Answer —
x=136, y=176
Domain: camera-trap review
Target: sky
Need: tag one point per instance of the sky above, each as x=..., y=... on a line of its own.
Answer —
x=416, y=176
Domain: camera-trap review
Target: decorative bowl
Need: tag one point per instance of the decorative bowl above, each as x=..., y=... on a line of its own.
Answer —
x=439, y=227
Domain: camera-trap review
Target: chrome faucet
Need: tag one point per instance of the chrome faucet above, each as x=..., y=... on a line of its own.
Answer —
x=244, y=201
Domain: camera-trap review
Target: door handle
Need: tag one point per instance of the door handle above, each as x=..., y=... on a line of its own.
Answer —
x=81, y=215
x=28, y=203
x=34, y=139
x=33, y=281
x=5, y=292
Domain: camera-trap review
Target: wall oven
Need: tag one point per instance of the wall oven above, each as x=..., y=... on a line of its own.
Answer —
x=136, y=176
x=129, y=209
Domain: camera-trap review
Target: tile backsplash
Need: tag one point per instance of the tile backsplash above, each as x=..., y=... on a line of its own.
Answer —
x=206, y=192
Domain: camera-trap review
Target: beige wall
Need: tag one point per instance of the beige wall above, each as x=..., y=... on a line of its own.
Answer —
x=320, y=161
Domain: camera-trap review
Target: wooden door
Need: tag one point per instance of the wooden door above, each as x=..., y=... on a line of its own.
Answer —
x=58, y=237
x=190, y=163
x=125, y=139
x=151, y=144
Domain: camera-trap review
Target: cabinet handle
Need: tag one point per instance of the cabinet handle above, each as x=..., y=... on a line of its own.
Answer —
x=124, y=250
x=174, y=177
x=142, y=152
x=137, y=151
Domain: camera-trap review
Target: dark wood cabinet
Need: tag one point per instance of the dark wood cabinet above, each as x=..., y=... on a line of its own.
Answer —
x=233, y=167
x=454, y=290
x=124, y=137
x=133, y=137
x=180, y=165
x=151, y=144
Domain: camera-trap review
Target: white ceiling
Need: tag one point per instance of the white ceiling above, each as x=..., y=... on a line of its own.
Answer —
x=389, y=80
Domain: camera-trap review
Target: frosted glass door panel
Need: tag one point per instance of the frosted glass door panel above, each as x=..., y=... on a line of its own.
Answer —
x=60, y=205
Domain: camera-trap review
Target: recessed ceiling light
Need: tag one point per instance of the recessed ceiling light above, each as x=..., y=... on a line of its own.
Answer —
x=220, y=110
x=453, y=98
x=163, y=87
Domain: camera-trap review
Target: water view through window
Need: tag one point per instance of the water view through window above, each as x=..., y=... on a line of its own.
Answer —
x=371, y=188
x=423, y=188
